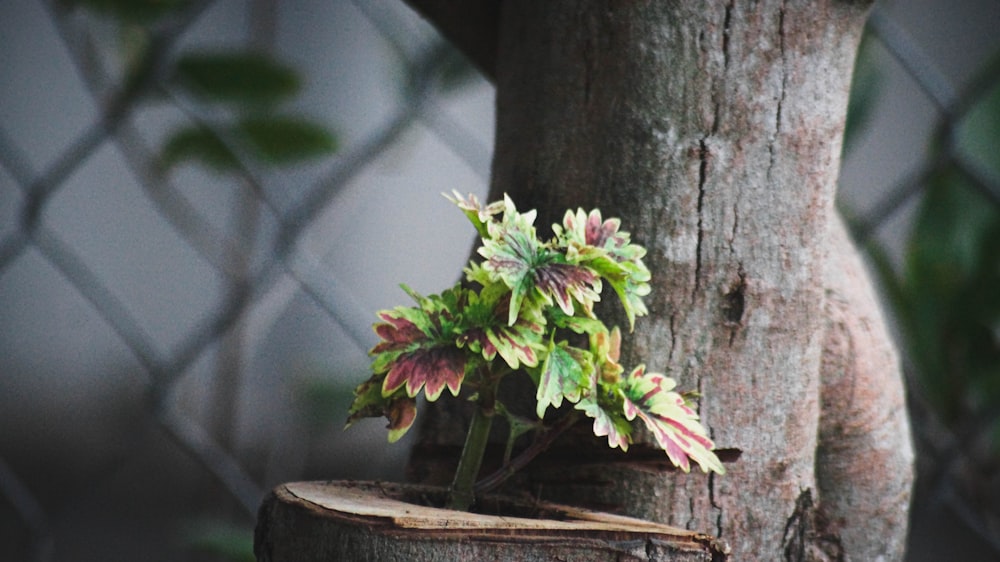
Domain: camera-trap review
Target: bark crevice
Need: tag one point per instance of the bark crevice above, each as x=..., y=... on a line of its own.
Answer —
x=726, y=20
x=807, y=537
x=782, y=92
x=719, y=512
x=703, y=155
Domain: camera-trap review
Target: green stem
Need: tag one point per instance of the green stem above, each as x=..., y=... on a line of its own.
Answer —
x=461, y=494
x=540, y=445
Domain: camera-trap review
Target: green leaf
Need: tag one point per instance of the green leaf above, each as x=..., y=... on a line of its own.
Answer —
x=605, y=347
x=516, y=344
x=609, y=422
x=285, y=140
x=515, y=256
x=511, y=251
x=483, y=327
x=650, y=397
x=564, y=374
x=421, y=347
x=430, y=369
x=949, y=299
x=323, y=399
x=271, y=140
x=198, y=145
x=402, y=329
x=865, y=88
x=243, y=78
x=368, y=401
x=600, y=246
x=567, y=284
x=578, y=324
x=477, y=214
x=222, y=540
x=604, y=401
x=371, y=402
x=976, y=136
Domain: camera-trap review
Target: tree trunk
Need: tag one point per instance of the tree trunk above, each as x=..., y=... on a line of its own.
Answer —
x=713, y=130
x=320, y=522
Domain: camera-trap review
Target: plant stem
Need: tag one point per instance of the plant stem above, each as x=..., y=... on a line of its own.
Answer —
x=461, y=494
x=540, y=445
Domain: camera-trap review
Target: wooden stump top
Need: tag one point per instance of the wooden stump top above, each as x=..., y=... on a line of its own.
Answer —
x=344, y=520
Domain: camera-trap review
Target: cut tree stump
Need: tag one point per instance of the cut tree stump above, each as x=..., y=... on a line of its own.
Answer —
x=362, y=521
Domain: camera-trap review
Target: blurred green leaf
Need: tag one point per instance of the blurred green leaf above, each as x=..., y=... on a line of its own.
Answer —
x=324, y=401
x=133, y=11
x=221, y=539
x=865, y=87
x=948, y=295
x=198, y=145
x=285, y=140
x=274, y=141
x=951, y=295
x=242, y=78
x=977, y=136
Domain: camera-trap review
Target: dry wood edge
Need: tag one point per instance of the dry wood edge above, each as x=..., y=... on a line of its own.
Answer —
x=379, y=508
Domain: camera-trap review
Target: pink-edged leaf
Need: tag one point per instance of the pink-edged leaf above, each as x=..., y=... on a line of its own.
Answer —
x=609, y=423
x=511, y=260
x=606, y=348
x=603, y=233
x=582, y=229
x=650, y=397
x=511, y=252
x=600, y=245
x=515, y=346
x=478, y=214
x=566, y=283
x=564, y=374
x=397, y=333
x=489, y=334
x=400, y=413
x=432, y=369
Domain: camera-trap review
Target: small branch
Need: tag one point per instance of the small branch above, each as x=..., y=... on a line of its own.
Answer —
x=541, y=444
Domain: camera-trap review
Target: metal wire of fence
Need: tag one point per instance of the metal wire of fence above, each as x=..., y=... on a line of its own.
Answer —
x=293, y=266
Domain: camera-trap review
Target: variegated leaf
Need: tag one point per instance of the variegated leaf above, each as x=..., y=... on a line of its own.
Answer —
x=650, y=397
x=565, y=374
x=432, y=369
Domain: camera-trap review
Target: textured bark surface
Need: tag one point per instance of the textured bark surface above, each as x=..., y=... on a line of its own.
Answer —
x=864, y=464
x=325, y=521
x=714, y=130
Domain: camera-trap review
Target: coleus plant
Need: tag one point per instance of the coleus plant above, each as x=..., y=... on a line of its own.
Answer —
x=528, y=307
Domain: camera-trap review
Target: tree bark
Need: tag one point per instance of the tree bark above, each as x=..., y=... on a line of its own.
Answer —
x=864, y=465
x=320, y=522
x=714, y=130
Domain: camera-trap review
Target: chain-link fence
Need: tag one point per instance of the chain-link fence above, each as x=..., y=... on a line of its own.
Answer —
x=180, y=332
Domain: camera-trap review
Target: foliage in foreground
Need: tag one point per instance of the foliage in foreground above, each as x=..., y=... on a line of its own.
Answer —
x=528, y=307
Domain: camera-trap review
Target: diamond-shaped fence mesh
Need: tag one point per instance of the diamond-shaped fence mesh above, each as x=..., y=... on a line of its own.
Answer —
x=191, y=294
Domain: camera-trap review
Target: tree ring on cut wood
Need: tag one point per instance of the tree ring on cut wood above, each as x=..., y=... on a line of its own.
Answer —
x=348, y=520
